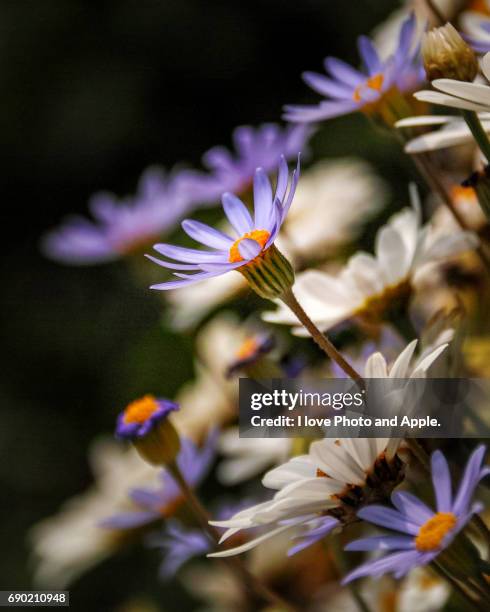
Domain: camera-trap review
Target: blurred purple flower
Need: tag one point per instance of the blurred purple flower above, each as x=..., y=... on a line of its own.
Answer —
x=255, y=147
x=478, y=28
x=193, y=462
x=120, y=227
x=348, y=90
x=424, y=533
x=255, y=236
x=180, y=543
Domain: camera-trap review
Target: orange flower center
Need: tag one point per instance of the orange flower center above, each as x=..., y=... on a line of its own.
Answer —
x=460, y=193
x=140, y=410
x=480, y=6
x=375, y=82
x=248, y=348
x=432, y=533
x=260, y=236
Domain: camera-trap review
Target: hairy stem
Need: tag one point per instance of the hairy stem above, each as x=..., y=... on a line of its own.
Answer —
x=479, y=134
x=321, y=340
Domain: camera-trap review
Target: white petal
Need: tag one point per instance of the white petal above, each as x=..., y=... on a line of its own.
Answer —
x=434, y=97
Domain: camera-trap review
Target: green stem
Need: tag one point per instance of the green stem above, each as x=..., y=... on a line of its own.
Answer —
x=479, y=134
x=321, y=340
x=203, y=517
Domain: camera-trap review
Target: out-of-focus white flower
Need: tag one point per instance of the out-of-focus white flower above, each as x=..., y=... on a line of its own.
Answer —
x=332, y=201
x=210, y=399
x=247, y=457
x=454, y=131
x=420, y=591
x=369, y=285
x=192, y=303
x=70, y=542
x=476, y=26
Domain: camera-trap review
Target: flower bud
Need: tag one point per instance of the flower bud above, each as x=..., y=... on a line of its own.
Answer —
x=145, y=423
x=447, y=56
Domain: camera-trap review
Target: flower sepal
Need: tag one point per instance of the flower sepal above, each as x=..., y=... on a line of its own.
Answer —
x=270, y=274
x=160, y=446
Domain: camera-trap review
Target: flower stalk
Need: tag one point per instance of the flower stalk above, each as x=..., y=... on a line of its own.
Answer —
x=474, y=124
x=321, y=340
x=242, y=572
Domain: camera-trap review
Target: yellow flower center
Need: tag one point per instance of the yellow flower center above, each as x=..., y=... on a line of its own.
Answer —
x=260, y=236
x=432, y=533
x=248, y=348
x=140, y=410
x=374, y=82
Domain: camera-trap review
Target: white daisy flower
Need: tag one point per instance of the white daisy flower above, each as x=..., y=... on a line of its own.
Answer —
x=459, y=94
x=67, y=544
x=210, y=399
x=369, y=285
x=454, y=131
x=325, y=488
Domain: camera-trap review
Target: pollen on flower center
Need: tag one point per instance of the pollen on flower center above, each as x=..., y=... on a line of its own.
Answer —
x=140, y=410
x=260, y=236
x=374, y=82
x=432, y=533
x=248, y=348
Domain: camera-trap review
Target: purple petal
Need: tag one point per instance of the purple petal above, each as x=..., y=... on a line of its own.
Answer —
x=262, y=199
x=326, y=87
x=441, y=480
x=314, y=535
x=196, y=278
x=388, y=518
x=411, y=507
x=220, y=267
x=406, y=35
x=249, y=249
x=382, y=542
x=206, y=235
x=324, y=110
x=342, y=71
x=172, y=266
x=282, y=179
x=369, y=55
x=397, y=562
x=129, y=520
x=471, y=477
x=189, y=255
x=237, y=213
x=292, y=189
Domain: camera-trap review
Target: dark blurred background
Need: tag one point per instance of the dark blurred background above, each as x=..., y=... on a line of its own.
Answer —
x=91, y=94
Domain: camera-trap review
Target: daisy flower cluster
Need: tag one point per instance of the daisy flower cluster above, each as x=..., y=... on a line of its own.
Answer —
x=319, y=268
